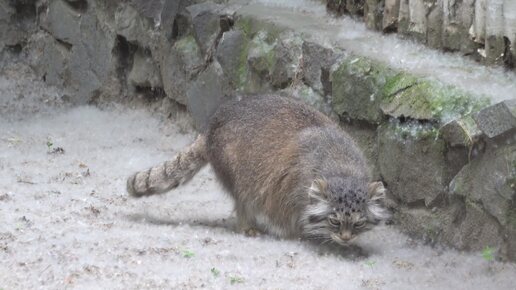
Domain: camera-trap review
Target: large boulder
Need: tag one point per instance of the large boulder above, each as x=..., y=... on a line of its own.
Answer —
x=316, y=64
x=489, y=181
x=90, y=42
x=497, y=119
x=205, y=20
x=180, y=65
x=232, y=56
x=144, y=72
x=357, y=88
x=206, y=93
x=412, y=161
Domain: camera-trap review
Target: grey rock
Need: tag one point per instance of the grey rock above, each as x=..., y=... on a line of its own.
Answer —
x=412, y=163
x=424, y=224
x=261, y=55
x=461, y=132
x=309, y=96
x=206, y=93
x=167, y=18
x=286, y=54
x=435, y=26
x=150, y=9
x=390, y=15
x=490, y=181
x=456, y=24
x=373, y=16
x=54, y=62
x=144, y=72
x=317, y=62
x=403, y=17
x=509, y=251
x=232, y=56
x=205, y=20
x=5, y=18
x=476, y=231
x=355, y=7
x=63, y=22
x=497, y=119
x=132, y=25
x=180, y=64
x=90, y=44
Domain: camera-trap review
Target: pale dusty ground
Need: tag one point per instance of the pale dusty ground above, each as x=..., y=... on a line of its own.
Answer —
x=67, y=222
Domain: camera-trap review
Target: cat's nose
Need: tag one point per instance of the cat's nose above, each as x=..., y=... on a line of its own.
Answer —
x=346, y=235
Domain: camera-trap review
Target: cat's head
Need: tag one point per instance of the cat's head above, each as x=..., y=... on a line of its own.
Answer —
x=342, y=208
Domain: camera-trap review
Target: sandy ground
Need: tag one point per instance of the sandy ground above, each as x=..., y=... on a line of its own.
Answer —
x=68, y=223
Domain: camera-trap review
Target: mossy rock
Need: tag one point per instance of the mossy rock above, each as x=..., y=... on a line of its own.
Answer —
x=357, y=88
x=422, y=99
x=367, y=90
x=251, y=26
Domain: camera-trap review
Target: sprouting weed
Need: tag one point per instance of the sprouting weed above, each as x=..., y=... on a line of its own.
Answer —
x=215, y=272
x=487, y=254
x=370, y=263
x=188, y=254
x=49, y=144
x=236, y=280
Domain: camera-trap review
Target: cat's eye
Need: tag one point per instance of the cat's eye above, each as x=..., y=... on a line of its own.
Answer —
x=334, y=221
x=360, y=224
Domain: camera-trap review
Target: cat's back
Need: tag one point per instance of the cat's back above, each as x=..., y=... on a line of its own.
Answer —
x=266, y=112
x=256, y=138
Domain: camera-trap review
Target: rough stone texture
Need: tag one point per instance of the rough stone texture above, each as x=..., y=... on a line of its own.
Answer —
x=89, y=42
x=205, y=19
x=366, y=90
x=461, y=132
x=317, y=62
x=232, y=56
x=355, y=7
x=407, y=96
x=206, y=93
x=477, y=231
x=412, y=162
x=287, y=56
x=373, y=13
x=180, y=65
x=489, y=181
x=63, y=22
x=357, y=88
x=458, y=18
x=144, y=72
x=497, y=119
x=54, y=63
x=417, y=19
x=390, y=16
x=132, y=25
x=434, y=30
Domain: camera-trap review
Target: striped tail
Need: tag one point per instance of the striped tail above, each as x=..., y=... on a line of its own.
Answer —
x=170, y=174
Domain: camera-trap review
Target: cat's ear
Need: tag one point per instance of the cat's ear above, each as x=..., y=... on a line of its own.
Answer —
x=376, y=191
x=376, y=210
x=318, y=190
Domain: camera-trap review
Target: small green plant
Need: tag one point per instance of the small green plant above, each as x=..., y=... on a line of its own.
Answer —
x=215, y=272
x=188, y=254
x=370, y=263
x=236, y=280
x=49, y=144
x=487, y=254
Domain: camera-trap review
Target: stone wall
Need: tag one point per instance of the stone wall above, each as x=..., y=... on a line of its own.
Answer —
x=447, y=158
x=482, y=29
